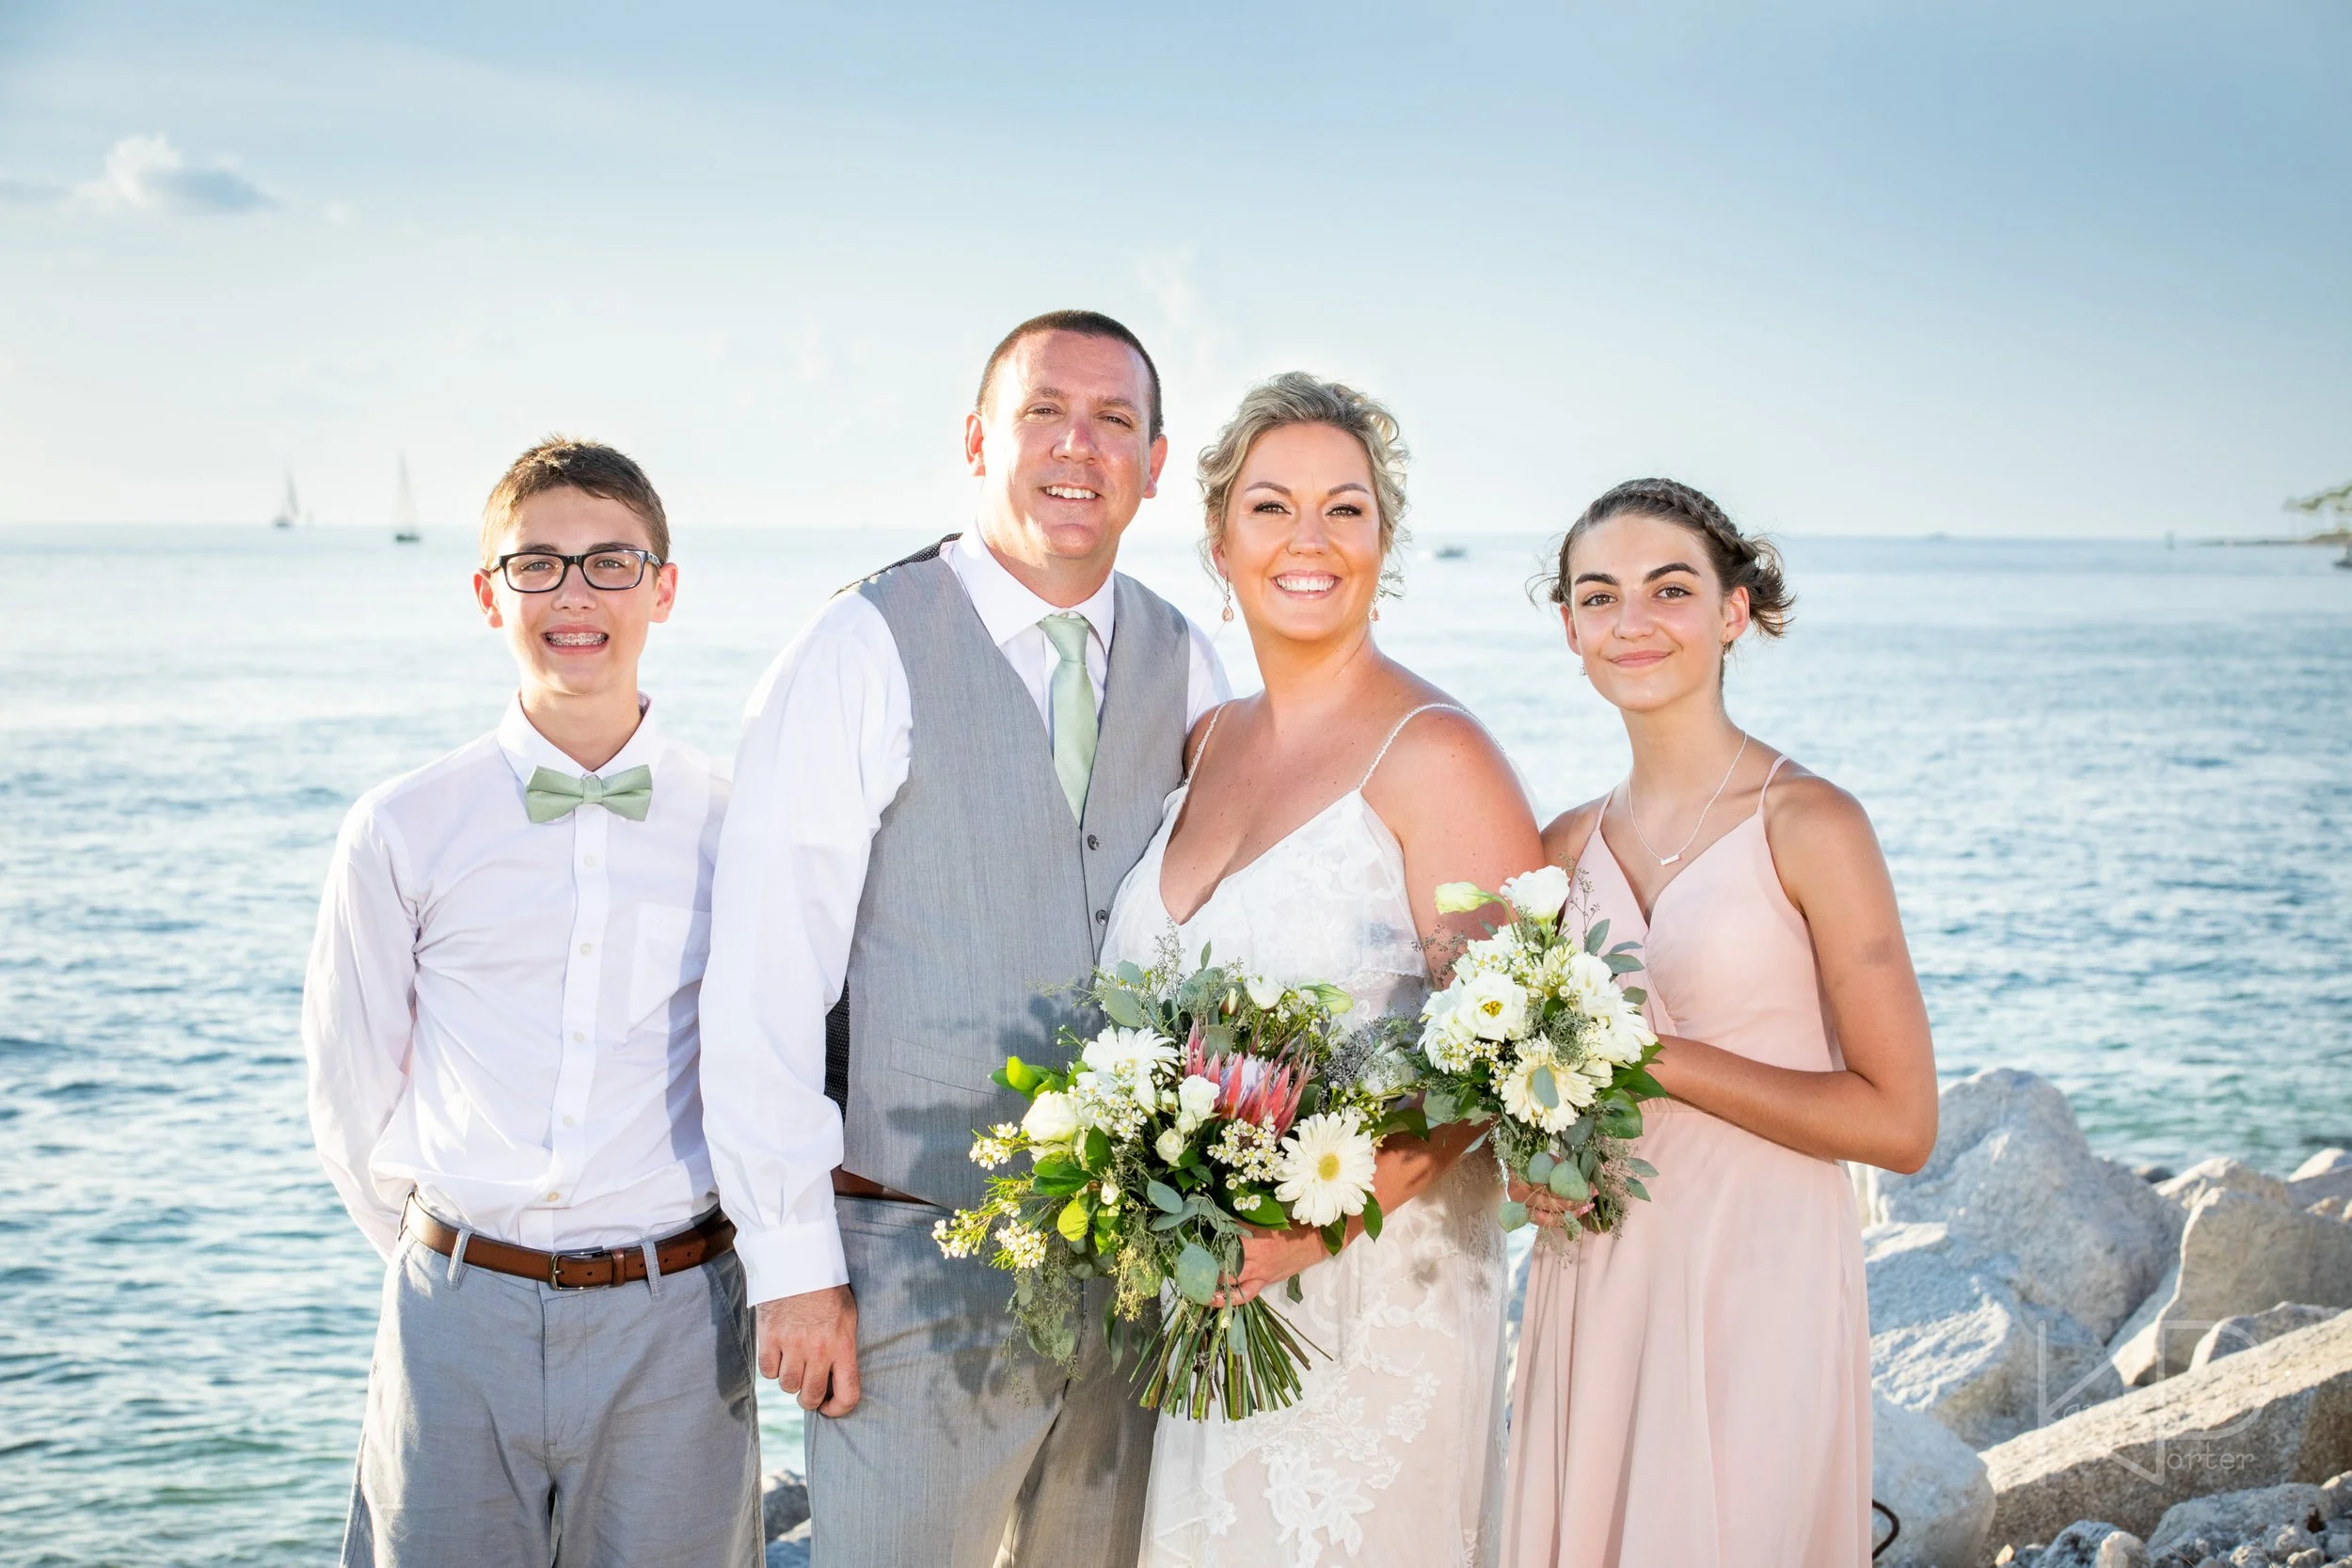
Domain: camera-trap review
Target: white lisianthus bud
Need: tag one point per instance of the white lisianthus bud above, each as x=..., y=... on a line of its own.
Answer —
x=1052, y=1118
x=1196, y=1098
x=1110, y=1193
x=1264, y=992
x=1540, y=894
x=1461, y=897
x=1170, y=1145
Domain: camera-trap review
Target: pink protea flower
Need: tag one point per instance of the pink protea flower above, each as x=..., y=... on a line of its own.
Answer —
x=1261, y=1089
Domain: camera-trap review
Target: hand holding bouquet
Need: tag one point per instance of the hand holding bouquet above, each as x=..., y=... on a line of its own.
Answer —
x=1215, y=1099
x=1536, y=1035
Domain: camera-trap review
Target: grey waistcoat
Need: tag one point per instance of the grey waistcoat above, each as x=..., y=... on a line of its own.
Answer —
x=983, y=896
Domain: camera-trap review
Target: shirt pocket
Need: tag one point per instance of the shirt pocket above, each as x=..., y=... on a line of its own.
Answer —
x=672, y=947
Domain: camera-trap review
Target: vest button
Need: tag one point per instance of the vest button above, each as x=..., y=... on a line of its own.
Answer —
x=1093, y=843
x=1102, y=917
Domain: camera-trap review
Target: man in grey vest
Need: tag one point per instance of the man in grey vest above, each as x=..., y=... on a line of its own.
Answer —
x=941, y=785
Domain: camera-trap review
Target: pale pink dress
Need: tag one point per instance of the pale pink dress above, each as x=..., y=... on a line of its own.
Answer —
x=1694, y=1390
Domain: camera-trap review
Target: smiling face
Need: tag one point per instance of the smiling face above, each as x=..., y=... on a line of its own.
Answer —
x=578, y=641
x=1301, y=542
x=1063, y=451
x=1647, y=613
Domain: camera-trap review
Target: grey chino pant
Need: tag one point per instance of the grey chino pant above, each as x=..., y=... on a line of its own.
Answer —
x=511, y=1423
x=960, y=1455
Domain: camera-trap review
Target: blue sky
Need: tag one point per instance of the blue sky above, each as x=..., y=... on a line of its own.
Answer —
x=1855, y=268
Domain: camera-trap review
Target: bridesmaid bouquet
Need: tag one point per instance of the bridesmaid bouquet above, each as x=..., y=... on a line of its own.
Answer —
x=1215, y=1099
x=1536, y=1035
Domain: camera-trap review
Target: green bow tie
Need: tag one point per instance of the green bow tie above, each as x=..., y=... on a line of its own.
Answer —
x=550, y=795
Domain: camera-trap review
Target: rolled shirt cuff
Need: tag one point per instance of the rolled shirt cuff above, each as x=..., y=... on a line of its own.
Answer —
x=791, y=1258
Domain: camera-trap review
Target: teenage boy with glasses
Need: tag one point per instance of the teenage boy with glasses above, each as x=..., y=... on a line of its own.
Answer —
x=502, y=1030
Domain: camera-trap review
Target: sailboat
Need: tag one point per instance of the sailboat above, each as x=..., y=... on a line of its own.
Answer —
x=404, y=529
x=289, y=509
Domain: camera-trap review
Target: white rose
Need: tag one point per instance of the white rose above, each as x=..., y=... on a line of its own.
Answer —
x=1590, y=984
x=1195, y=1098
x=1170, y=1145
x=1264, y=992
x=1539, y=894
x=1494, y=1006
x=1052, y=1118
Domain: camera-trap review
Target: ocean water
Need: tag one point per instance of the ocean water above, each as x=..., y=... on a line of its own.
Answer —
x=2114, y=782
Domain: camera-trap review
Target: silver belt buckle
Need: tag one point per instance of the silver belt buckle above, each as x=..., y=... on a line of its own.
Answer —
x=556, y=1260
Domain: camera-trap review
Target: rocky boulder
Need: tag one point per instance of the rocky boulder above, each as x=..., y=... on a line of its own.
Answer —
x=2278, y=1413
x=783, y=1503
x=2012, y=1176
x=2240, y=1254
x=2223, y=1175
x=2232, y=1334
x=1935, y=1484
x=2325, y=1177
x=1950, y=1338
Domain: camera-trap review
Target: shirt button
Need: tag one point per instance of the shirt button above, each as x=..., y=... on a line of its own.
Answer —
x=567, y=1121
x=1102, y=917
x=586, y=948
x=579, y=1035
x=1093, y=843
x=588, y=861
x=553, y=1196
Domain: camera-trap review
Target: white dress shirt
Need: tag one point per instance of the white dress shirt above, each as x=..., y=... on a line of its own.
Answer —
x=500, y=1014
x=828, y=735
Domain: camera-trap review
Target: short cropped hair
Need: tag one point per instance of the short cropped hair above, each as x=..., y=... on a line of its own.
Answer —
x=1086, y=323
x=559, y=462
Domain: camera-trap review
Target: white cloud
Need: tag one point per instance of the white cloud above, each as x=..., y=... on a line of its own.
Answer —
x=148, y=174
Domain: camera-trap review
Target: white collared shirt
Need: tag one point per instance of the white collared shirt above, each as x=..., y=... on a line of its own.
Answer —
x=827, y=739
x=500, y=1014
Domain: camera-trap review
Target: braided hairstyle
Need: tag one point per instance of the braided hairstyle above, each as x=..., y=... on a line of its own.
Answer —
x=1741, y=561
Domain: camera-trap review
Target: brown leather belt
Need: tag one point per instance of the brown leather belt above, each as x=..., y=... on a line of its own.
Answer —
x=850, y=1185
x=712, y=1236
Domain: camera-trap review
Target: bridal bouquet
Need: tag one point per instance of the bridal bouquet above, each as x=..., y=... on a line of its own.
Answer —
x=1214, y=1099
x=1536, y=1035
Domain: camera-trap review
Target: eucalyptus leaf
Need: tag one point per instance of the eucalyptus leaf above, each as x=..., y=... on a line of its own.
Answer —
x=1597, y=938
x=1634, y=995
x=1546, y=1088
x=1622, y=963
x=1196, y=1274
x=1440, y=1107
x=1641, y=1167
x=1164, y=1198
x=1568, y=1182
x=1635, y=1187
x=1129, y=974
x=1539, y=1166
x=1124, y=1010
x=1512, y=1215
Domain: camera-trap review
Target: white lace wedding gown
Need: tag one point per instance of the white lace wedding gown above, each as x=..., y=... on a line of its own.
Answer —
x=1394, y=1455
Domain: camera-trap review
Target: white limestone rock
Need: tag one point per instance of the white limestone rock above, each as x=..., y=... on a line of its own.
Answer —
x=2325, y=1177
x=2221, y=1174
x=1950, y=1338
x=2241, y=1255
x=2012, y=1174
x=2232, y=1334
x=2219, y=1525
x=1936, y=1485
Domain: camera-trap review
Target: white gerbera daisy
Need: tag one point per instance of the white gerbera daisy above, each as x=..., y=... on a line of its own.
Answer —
x=1326, y=1167
x=1116, y=1048
x=1540, y=1092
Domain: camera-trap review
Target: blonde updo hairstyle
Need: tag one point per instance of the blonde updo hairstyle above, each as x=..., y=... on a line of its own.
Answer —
x=1741, y=561
x=1295, y=398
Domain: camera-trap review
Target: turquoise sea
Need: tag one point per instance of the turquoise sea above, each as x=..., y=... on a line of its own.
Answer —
x=2114, y=782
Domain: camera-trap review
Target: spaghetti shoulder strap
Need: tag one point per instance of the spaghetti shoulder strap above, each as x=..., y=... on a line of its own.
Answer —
x=1206, y=736
x=1399, y=729
x=1770, y=774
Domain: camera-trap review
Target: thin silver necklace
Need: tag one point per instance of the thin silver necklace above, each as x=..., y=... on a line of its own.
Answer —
x=1633, y=817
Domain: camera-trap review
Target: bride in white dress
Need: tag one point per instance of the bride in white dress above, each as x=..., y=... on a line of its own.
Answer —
x=1317, y=821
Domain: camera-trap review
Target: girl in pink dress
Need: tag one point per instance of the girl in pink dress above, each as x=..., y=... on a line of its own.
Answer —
x=1694, y=1391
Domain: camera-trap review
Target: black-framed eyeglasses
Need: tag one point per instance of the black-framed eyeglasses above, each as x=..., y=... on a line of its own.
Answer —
x=614, y=569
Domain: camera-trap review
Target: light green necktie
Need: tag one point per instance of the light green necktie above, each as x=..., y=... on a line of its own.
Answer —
x=1073, y=707
x=550, y=794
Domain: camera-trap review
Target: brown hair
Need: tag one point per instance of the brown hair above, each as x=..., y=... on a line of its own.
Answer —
x=1086, y=323
x=1296, y=398
x=1739, y=560
x=559, y=463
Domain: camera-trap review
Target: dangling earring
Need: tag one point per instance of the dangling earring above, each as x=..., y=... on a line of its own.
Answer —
x=1227, y=585
x=1376, y=607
